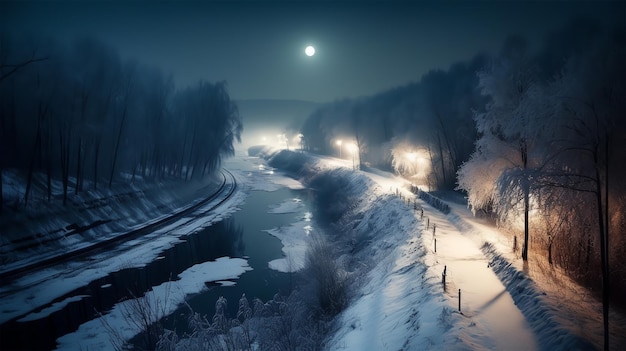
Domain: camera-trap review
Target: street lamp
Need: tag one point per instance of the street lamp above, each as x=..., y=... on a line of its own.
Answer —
x=339, y=142
x=353, y=149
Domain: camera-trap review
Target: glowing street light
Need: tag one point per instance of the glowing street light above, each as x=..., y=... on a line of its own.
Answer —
x=353, y=148
x=339, y=142
x=411, y=156
x=414, y=160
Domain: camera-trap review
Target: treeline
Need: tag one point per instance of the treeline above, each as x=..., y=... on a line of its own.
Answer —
x=81, y=114
x=434, y=114
x=550, y=158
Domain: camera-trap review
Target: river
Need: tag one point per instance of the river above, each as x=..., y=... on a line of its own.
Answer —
x=242, y=235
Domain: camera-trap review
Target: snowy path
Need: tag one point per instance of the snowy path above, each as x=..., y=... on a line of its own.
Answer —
x=506, y=305
x=566, y=314
x=404, y=305
x=484, y=298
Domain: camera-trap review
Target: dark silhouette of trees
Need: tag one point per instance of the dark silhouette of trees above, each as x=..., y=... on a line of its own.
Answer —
x=82, y=115
x=434, y=113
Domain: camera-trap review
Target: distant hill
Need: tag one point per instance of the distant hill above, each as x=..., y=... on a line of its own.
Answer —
x=264, y=120
x=288, y=114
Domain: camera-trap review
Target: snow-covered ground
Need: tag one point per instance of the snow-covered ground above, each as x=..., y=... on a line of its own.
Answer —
x=42, y=229
x=24, y=295
x=162, y=299
x=38, y=289
x=403, y=305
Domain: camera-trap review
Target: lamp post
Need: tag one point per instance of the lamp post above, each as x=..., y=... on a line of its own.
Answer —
x=339, y=143
x=353, y=149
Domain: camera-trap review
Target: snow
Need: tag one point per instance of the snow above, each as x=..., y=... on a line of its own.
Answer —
x=57, y=306
x=289, y=206
x=295, y=239
x=167, y=296
x=403, y=305
x=43, y=287
x=121, y=209
x=23, y=296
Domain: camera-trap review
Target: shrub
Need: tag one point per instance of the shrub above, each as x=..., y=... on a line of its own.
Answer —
x=329, y=277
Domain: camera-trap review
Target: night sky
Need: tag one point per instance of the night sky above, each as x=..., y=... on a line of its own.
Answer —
x=258, y=47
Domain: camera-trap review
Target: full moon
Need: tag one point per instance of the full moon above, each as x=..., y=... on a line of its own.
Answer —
x=309, y=51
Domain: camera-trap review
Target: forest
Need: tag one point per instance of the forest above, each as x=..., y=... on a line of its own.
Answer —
x=534, y=138
x=80, y=113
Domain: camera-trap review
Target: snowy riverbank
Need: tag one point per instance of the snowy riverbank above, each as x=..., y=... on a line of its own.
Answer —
x=402, y=304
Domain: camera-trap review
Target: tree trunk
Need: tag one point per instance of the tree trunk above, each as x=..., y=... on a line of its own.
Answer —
x=604, y=242
x=526, y=190
x=64, y=161
x=550, y=253
x=448, y=141
x=1, y=196
x=603, y=263
x=443, y=167
x=117, y=145
x=31, y=167
x=80, y=146
x=526, y=210
x=48, y=165
x=95, y=163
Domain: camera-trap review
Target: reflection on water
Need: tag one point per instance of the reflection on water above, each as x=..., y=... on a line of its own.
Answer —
x=260, y=248
x=224, y=238
x=243, y=235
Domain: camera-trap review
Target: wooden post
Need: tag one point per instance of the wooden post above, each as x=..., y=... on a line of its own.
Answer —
x=459, y=300
x=434, y=228
x=427, y=222
x=435, y=244
x=443, y=277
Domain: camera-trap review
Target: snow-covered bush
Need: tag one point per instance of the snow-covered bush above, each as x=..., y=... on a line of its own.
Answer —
x=328, y=276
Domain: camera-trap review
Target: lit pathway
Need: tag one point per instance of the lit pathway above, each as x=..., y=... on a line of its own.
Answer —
x=493, y=320
x=484, y=298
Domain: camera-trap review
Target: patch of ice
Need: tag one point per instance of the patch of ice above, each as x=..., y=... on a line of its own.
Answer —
x=226, y=282
x=295, y=238
x=166, y=296
x=288, y=206
x=57, y=306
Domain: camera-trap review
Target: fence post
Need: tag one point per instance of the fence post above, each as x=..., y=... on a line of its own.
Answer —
x=427, y=222
x=459, y=300
x=443, y=277
x=435, y=245
x=434, y=228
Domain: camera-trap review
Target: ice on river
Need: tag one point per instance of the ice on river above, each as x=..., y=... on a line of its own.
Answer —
x=166, y=296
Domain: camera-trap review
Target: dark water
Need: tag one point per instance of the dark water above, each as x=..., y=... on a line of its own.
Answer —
x=241, y=235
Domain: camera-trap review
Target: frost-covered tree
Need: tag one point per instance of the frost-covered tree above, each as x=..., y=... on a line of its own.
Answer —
x=510, y=143
x=552, y=139
x=590, y=104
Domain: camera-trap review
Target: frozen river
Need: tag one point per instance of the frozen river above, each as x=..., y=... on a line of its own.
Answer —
x=245, y=246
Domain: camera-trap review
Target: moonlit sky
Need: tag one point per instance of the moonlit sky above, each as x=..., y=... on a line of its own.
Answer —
x=362, y=47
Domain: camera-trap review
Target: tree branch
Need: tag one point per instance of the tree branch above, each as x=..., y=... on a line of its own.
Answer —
x=16, y=67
